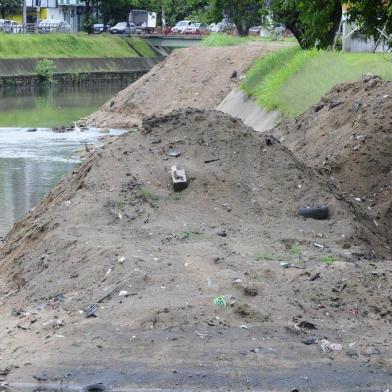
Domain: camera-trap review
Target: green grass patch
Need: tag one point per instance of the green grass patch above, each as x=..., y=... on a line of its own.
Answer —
x=216, y=40
x=291, y=80
x=146, y=194
x=295, y=250
x=141, y=45
x=221, y=39
x=175, y=196
x=329, y=260
x=184, y=234
x=15, y=46
x=263, y=256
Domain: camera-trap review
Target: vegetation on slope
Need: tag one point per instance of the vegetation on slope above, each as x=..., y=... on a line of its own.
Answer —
x=14, y=46
x=291, y=80
x=219, y=39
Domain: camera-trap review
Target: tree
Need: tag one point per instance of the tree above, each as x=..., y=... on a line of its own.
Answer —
x=313, y=22
x=9, y=6
x=371, y=16
x=244, y=14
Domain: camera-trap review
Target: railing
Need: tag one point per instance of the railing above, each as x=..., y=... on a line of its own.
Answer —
x=31, y=28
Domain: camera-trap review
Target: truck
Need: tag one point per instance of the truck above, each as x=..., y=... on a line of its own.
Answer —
x=145, y=21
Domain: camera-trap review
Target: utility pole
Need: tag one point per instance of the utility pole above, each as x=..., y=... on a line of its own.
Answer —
x=24, y=13
x=38, y=10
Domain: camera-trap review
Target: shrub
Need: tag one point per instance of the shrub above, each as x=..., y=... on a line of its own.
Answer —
x=45, y=70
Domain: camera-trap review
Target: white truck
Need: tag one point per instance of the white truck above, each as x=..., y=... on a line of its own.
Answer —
x=145, y=21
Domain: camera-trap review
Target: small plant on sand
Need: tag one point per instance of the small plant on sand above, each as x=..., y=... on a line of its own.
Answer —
x=328, y=260
x=184, y=234
x=295, y=250
x=175, y=196
x=147, y=194
x=263, y=256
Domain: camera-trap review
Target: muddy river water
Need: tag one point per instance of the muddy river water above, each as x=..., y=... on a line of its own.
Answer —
x=32, y=162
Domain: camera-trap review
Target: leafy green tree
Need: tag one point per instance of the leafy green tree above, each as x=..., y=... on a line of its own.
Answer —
x=371, y=15
x=244, y=13
x=313, y=22
x=9, y=7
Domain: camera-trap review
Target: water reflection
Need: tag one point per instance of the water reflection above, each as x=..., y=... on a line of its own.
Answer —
x=31, y=163
x=23, y=183
x=53, y=107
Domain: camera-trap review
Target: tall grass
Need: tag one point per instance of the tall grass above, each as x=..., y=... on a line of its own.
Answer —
x=217, y=39
x=292, y=80
x=265, y=66
x=221, y=39
x=68, y=46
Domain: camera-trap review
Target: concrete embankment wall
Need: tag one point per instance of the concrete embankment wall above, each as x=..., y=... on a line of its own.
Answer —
x=239, y=105
x=21, y=72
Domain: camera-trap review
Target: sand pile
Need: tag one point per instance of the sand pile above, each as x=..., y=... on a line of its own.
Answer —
x=347, y=136
x=114, y=234
x=194, y=77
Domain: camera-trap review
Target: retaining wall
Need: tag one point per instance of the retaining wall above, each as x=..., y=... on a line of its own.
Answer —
x=21, y=72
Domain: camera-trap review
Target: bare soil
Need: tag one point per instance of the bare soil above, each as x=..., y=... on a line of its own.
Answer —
x=223, y=285
x=194, y=77
x=115, y=228
x=347, y=137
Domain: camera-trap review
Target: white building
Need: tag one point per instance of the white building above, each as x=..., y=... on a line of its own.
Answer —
x=70, y=11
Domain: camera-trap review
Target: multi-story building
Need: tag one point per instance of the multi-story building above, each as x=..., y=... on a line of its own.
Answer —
x=70, y=11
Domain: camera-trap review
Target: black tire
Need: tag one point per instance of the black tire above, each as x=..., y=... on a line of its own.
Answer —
x=320, y=213
x=95, y=388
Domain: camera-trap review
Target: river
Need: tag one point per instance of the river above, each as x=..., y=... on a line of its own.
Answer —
x=32, y=162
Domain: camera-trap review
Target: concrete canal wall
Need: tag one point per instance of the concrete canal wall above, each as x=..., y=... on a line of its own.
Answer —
x=21, y=72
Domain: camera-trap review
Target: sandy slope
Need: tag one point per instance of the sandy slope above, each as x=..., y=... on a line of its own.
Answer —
x=115, y=223
x=194, y=77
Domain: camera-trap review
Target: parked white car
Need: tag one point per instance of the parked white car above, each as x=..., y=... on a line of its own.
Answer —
x=221, y=27
x=123, y=28
x=195, y=28
x=53, y=26
x=180, y=27
x=9, y=26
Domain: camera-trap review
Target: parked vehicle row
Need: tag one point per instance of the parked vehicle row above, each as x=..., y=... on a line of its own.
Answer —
x=189, y=27
x=9, y=26
x=52, y=26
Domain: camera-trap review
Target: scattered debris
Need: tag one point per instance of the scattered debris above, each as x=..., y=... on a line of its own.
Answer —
x=307, y=325
x=315, y=276
x=286, y=265
x=327, y=346
x=174, y=153
x=220, y=301
x=123, y=293
x=211, y=160
x=309, y=340
x=90, y=311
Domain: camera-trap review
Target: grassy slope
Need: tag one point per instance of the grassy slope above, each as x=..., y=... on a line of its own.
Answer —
x=292, y=80
x=69, y=45
x=219, y=39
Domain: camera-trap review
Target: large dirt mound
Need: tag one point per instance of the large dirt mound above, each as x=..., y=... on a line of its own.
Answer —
x=114, y=234
x=194, y=77
x=348, y=137
x=264, y=185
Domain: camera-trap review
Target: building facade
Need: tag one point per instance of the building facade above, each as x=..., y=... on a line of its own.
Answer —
x=70, y=11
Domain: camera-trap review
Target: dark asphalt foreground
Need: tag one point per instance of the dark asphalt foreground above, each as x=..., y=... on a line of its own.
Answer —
x=348, y=377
